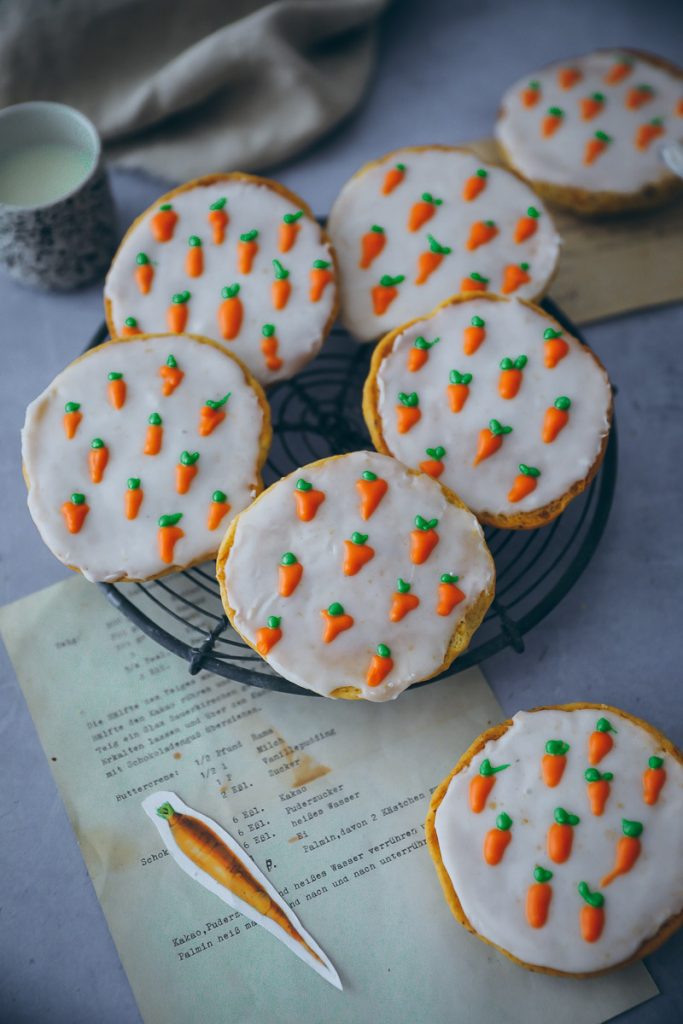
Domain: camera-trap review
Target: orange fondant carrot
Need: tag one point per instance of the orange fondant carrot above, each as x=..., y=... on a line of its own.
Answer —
x=393, y=178
x=449, y=595
x=430, y=259
x=230, y=312
x=510, y=379
x=422, y=211
x=289, y=229
x=433, y=466
x=525, y=482
x=289, y=574
x=555, y=348
x=538, y=898
x=307, y=500
x=269, y=347
x=598, y=789
x=638, y=96
x=497, y=840
x=281, y=287
x=154, y=436
x=319, y=277
x=474, y=185
x=628, y=850
x=567, y=77
x=133, y=497
x=144, y=273
x=168, y=535
x=458, y=389
x=554, y=762
x=482, y=784
x=98, y=457
x=71, y=418
x=380, y=666
x=474, y=283
x=531, y=94
x=407, y=411
x=592, y=915
x=247, y=247
x=267, y=636
x=654, y=778
x=336, y=621
x=551, y=122
x=514, y=276
x=357, y=553
x=402, y=601
x=218, y=510
x=130, y=328
x=384, y=293
x=556, y=419
x=600, y=741
x=490, y=440
x=163, y=223
x=595, y=146
x=177, y=312
x=423, y=539
x=171, y=374
x=473, y=335
x=419, y=353
x=212, y=413
x=481, y=232
x=591, y=106
x=218, y=219
x=527, y=226
x=75, y=511
x=116, y=389
x=185, y=471
x=621, y=69
x=561, y=835
x=647, y=133
x=194, y=260
x=371, y=245
x=371, y=489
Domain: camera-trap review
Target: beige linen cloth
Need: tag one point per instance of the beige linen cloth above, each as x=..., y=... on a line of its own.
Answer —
x=181, y=88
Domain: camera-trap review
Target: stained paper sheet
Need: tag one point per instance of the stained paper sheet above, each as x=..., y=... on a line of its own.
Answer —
x=329, y=799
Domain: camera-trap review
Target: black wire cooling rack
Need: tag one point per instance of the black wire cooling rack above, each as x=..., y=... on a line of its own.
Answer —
x=317, y=414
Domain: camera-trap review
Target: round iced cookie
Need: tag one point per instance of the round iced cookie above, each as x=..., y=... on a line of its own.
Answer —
x=497, y=401
x=558, y=838
x=234, y=258
x=140, y=452
x=355, y=577
x=426, y=222
x=587, y=132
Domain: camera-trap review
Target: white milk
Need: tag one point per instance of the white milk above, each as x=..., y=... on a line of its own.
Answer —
x=41, y=173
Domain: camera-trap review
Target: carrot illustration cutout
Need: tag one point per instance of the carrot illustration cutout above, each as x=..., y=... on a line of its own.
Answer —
x=527, y=226
x=357, y=553
x=647, y=133
x=600, y=742
x=497, y=840
x=621, y=69
x=524, y=483
x=638, y=96
x=133, y=497
x=555, y=348
x=307, y=500
x=592, y=915
x=130, y=328
x=281, y=287
x=371, y=245
x=269, y=347
x=98, y=457
x=212, y=413
x=422, y=211
x=218, y=510
x=490, y=440
x=510, y=379
x=116, y=390
x=336, y=621
x=163, y=223
x=185, y=471
x=628, y=851
x=481, y=233
x=171, y=375
x=144, y=273
x=177, y=312
x=598, y=789
x=154, y=436
x=402, y=601
x=474, y=335
x=393, y=178
x=556, y=419
x=423, y=539
x=371, y=489
x=531, y=94
x=168, y=535
x=449, y=595
x=194, y=260
x=407, y=411
x=595, y=146
x=474, y=282
x=538, y=898
x=319, y=277
x=218, y=220
x=270, y=634
x=71, y=419
x=230, y=312
x=654, y=778
x=380, y=666
x=429, y=261
x=289, y=574
x=384, y=293
x=551, y=122
x=419, y=353
x=433, y=466
x=482, y=784
x=514, y=276
x=567, y=77
x=554, y=762
x=289, y=229
x=75, y=511
x=560, y=835
x=591, y=106
x=474, y=185
x=247, y=247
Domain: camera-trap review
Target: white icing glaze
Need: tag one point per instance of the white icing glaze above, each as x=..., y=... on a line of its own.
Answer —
x=300, y=326
x=442, y=173
x=512, y=329
x=419, y=641
x=109, y=546
x=493, y=897
x=559, y=159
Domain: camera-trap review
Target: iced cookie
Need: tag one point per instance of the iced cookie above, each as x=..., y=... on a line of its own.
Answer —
x=427, y=222
x=355, y=577
x=493, y=398
x=234, y=258
x=139, y=453
x=587, y=132
x=558, y=838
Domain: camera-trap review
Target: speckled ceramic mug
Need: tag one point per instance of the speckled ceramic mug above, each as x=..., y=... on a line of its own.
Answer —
x=67, y=241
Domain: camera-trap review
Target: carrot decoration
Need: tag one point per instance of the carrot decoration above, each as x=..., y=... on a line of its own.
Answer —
x=371, y=245
x=510, y=379
x=433, y=466
x=567, y=77
x=554, y=762
x=490, y=440
x=75, y=511
x=319, y=277
x=133, y=497
x=186, y=471
x=218, y=509
x=307, y=500
x=561, y=835
x=679, y=108
x=247, y=247
x=71, y=418
x=638, y=96
x=595, y=146
x=428, y=261
x=654, y=778
x=144, y=273
x=423, y=539
x=384, y=293
x=267, y=636
x=393, y=178
x=474, y=283
x=482, y=784
x=481, y=232
x=621, y=69
x=647, y=133
x=474, y=335
x=497, y=840
x=230, y=312
x=555, y=347
x=538, y=898
x=281, y=287
x=336, y=621
x=458, y=389
x=171, y=375
x=163, y=223
x=474, y=185
x=419, y=353
x=556, y=419
x=527, y=226
x=531, y=94
x=168, y=535
x=154, y=435
x=290, y=572
x=289, y=229
x=402, y=602
x=116, y=389
x=592, y=915
x=524, y=483
x=591, y=106
x=551, y=122
x=130, y=328
x=356, y=553
x=269, y=347
x=218, y=220
x=176, y=314
x=514, y=276
x=448, y=595
x=194, y=261
x=628, y=851
x=98, y=457
x=598, y=789
x=600, y=742
x=422, y=211
x=407, y=411
x=380, y=666
x=371, y=489
x=212, y=413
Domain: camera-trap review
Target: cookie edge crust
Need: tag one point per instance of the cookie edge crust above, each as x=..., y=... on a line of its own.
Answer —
x=647, y=947
x=461, y=635
x=265, y=437
x=370, y=406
